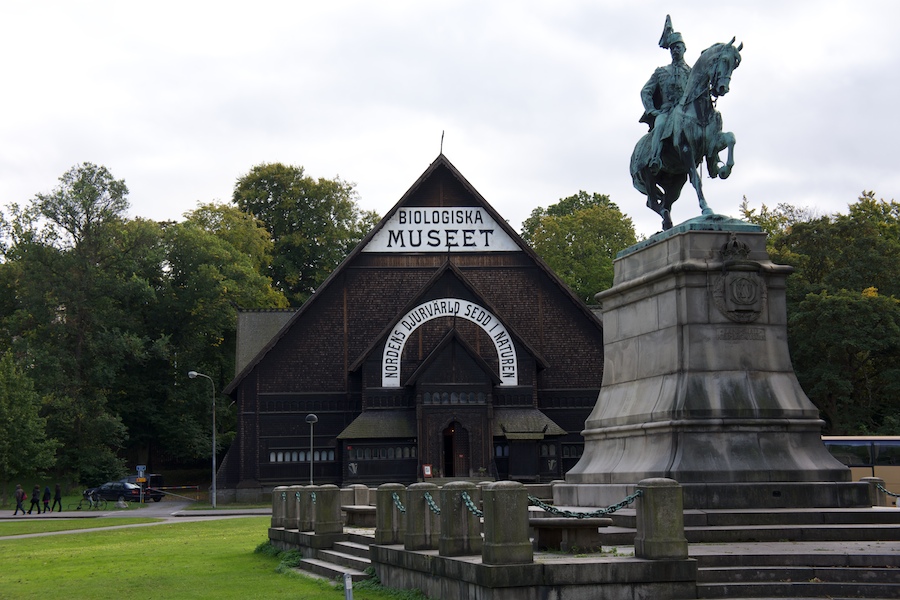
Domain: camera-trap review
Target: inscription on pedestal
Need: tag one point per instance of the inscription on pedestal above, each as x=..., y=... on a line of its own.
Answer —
x=740, y=334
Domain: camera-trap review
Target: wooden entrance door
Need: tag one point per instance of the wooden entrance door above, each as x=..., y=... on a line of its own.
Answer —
x=456, y=451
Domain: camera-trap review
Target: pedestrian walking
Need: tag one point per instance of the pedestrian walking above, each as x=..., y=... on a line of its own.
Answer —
x=57, y=499
x=35, y=499
x=20, y=498
x=46, y=498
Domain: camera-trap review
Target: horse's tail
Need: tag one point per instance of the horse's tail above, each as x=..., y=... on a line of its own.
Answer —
x=640, y=158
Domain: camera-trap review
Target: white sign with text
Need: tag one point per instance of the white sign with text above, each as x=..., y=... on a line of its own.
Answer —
x=448, y=307
x=447, y=229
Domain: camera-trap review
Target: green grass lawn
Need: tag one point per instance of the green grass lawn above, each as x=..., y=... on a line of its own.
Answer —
x=208, y=559
x=24, y=526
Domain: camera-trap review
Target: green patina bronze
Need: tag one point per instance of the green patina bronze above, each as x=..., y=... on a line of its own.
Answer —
x=684, y=125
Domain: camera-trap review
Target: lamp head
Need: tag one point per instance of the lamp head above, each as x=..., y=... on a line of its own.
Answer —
x=192, y=374
x=312, y=419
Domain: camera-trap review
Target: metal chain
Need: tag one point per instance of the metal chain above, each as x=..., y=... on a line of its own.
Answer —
x=583, y=515
x=297, y=496
x=397, y=502
x=471, y=505
x=430, y=501
x=881, y=487
x=313, y=494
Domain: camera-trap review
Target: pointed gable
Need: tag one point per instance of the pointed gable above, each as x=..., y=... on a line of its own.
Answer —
x=441, y=336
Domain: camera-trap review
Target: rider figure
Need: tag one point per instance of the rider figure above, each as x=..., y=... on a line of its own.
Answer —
x=663, y=91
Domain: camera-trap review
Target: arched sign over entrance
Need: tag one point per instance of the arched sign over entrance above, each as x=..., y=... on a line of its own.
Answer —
x=449, y=307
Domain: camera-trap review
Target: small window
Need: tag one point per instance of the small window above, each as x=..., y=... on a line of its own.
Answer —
x=368, y=453
x=331, y=455
x=271, y=457
x=294, y=456
x=316, y=455
x=390, y=454
x=280, y=457
x=406, y=452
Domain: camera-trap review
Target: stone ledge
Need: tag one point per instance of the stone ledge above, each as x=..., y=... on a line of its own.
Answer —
x=565, y=577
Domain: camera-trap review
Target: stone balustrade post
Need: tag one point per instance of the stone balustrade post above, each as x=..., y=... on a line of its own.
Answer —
x=660, y=520
x=389, y=521
x=423, y=526
x=359, y=494
x=506, y=540
x=327, y=510
x=292, y=507
x=305, y=508
x=279, y=505
x=460, y=529
x=876, y=496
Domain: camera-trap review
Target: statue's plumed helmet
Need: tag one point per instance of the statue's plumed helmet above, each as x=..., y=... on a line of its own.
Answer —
x=673, y=39
x=669, y=36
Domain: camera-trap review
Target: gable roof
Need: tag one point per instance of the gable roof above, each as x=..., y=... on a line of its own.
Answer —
x=440, y=164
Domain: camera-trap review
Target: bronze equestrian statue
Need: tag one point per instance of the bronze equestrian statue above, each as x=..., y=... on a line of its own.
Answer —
x=685, y=127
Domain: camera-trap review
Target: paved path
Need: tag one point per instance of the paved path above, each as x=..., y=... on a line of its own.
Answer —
x=167, y=511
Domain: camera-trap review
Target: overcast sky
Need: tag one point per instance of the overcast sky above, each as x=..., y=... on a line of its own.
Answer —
x=537, y=99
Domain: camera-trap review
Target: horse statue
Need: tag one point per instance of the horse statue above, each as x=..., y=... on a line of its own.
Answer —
x=696, y=133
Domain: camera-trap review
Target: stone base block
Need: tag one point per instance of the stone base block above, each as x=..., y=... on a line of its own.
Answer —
x=551, y=576
x=729, y=495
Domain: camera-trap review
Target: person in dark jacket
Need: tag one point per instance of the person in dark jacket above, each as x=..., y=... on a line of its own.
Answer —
x=46, y=498
x=20, y=498
x=57, y=499
x=35, y=499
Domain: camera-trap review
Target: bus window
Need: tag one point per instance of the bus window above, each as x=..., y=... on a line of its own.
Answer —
x=858, y=454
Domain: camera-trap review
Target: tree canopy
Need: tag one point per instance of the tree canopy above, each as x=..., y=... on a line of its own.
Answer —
x=314, y=223
x=107, y=314
x=579, y=237
x=848, y=277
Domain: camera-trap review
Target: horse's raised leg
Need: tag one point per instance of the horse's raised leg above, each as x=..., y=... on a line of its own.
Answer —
x=727, y=140
x=695, y=180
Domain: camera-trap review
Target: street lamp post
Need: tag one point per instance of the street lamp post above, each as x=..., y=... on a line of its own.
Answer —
x=312, y=420
x=193, y=375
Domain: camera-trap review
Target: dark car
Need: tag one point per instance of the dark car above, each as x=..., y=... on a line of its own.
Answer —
x=115, y=490
x=151, y=484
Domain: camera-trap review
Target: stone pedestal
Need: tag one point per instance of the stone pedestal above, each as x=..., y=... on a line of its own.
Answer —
x=389, y=521
x=423, y=526
x=698, y=384
x=506, y=525
x=460, y=529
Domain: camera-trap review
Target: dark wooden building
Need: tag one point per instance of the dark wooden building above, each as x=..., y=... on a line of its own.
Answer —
x=441, y=342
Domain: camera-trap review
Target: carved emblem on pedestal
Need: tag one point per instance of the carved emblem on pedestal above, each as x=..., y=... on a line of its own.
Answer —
x=739, y=294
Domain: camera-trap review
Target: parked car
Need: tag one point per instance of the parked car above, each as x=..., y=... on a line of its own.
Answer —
x=115, y=490
x=151, y=486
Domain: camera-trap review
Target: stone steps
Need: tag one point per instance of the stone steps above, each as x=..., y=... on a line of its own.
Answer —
x=350, y=556
x=792, y=589
x=330, y=570
x=813, y=516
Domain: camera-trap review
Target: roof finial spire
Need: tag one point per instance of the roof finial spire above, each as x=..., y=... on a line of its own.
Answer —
x=442, y=141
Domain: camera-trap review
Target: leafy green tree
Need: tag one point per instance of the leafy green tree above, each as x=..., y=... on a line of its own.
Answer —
x=24, y=446
x=74, y=266
x=848, y=277
x=216, y=260
x=579, y=237
x=313, y=223
x=851, y=368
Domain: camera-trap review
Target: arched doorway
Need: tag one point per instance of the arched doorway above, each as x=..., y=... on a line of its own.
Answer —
x=456, y=451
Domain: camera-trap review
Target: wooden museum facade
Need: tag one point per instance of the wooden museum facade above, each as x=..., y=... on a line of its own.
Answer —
x=441, y=343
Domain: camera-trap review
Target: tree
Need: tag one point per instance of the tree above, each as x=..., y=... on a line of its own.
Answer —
x=851, y=369
x=847, y=274
x=24, y=446
x=74, y=261
x=313, y=223
x=579, y=237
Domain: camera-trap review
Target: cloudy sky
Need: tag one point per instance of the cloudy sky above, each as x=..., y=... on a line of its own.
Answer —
x=537, y=100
